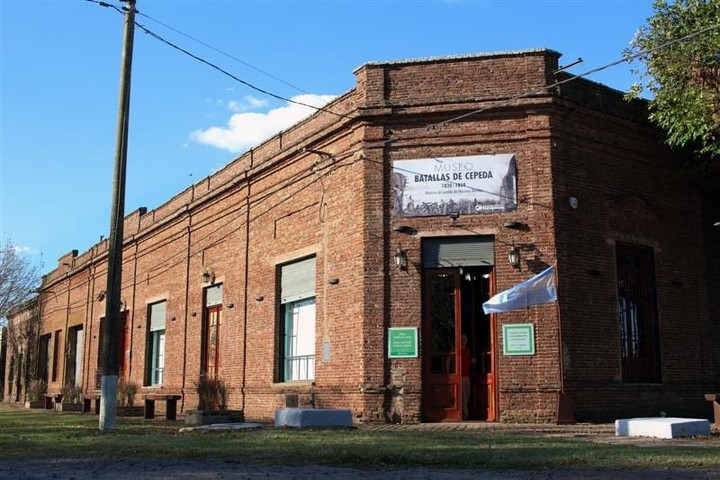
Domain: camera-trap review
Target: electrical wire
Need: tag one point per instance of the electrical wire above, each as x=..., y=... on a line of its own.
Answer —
x=542, y=90
x=391, y=138
x=220, y=69
x=221, y=52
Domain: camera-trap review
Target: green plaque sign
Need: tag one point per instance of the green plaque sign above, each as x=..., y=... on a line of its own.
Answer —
x=519, y=339
x=403, y=342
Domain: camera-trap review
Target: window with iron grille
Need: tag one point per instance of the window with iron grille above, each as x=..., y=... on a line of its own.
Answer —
x=637, y=314
x=297, y=321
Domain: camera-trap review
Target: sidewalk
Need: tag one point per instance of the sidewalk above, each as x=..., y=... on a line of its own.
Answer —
x=592, y=432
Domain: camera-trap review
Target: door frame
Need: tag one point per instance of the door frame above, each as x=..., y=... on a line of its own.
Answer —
x=481, y=382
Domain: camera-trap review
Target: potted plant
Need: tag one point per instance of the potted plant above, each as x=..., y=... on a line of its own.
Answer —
x=126, y=390
x=71, y=398
x=36, y=393
x=212, y=404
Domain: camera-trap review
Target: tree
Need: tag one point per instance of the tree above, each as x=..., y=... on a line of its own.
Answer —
x=680, y=49
x=19, y=279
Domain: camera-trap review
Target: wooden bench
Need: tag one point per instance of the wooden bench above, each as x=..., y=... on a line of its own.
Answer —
x=170, y=405
x=51, y=399
x=715, y=399
x=88, y=402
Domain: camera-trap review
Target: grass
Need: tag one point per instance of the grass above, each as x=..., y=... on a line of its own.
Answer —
x=27, y=434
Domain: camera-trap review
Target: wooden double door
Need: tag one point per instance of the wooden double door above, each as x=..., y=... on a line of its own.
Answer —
x=452, y=308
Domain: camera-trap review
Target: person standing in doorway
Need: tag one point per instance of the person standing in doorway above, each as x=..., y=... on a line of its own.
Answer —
x=466, y=360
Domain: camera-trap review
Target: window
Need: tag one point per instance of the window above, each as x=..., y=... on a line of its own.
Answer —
x=123, y=352
x=73, y=357
x=637, y=314
x=43, y=357
x=297, y=302
x=56, y=355
x=155, y=344
x=212, y=321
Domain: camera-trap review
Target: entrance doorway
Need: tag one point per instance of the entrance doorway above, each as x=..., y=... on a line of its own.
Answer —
x=452, y=309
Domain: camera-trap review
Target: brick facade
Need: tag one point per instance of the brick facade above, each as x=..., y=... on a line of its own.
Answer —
x=323, y=188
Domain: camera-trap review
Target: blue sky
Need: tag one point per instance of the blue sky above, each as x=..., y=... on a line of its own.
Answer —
x=59, y=80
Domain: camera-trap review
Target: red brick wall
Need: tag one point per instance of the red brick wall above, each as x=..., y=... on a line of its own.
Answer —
x=628, y=190
x=280, y=202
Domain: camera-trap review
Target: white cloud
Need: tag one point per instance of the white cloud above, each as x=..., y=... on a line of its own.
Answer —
x=246, y=104
x=247, y=129
x=22, y=250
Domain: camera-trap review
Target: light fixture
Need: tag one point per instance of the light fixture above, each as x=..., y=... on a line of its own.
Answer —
x=208, y=276
x=400, y=259
x=514, y=257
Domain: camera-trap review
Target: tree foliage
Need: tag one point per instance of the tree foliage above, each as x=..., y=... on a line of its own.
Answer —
x=682, y=74
x=18, y=278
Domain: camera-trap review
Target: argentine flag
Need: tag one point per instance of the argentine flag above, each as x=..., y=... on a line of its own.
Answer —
x=534, y=291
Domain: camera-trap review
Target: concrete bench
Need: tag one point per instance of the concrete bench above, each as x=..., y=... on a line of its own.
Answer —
x=170, y=405
x=51, y=399
x=662, y=427
x=313, y=417
x=88, y=399
x=715, y=399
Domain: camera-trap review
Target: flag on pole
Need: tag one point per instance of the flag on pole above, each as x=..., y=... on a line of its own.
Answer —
x=534, y=291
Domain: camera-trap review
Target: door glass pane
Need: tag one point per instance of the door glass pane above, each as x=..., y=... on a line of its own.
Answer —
x=442, y=323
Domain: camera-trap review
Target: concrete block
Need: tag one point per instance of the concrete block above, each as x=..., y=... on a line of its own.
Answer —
x=313, y=417
x=662, y=427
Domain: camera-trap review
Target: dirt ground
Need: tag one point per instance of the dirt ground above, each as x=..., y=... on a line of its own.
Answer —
x=87, y=469
x=90, y=469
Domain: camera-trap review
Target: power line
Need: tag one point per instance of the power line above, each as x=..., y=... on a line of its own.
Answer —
x=220, y=69
x=221, y=52
x=293, y=180
x=575, y=77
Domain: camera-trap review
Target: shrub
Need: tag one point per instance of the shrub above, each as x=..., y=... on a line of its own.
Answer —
x=36, y=390
x=72, y=393
x=212, y=393
x=126, y=393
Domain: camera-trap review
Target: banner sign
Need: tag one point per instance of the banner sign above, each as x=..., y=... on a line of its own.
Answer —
x=465, y=185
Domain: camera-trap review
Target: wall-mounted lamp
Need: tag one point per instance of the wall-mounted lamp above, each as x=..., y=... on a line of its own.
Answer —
x=400, y=259
x=514, y=257
x=259, y=298
x=208, y=276
x=230, y=305
x=333, y=281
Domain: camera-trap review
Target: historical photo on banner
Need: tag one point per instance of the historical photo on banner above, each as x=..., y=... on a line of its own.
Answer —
x=441, y=186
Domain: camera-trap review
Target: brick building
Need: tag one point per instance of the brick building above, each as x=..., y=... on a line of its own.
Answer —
x=307, y=269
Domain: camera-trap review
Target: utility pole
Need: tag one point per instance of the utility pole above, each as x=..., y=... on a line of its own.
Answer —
x=112, y=330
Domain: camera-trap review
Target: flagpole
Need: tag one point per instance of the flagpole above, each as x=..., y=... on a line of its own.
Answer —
x=564, y=405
